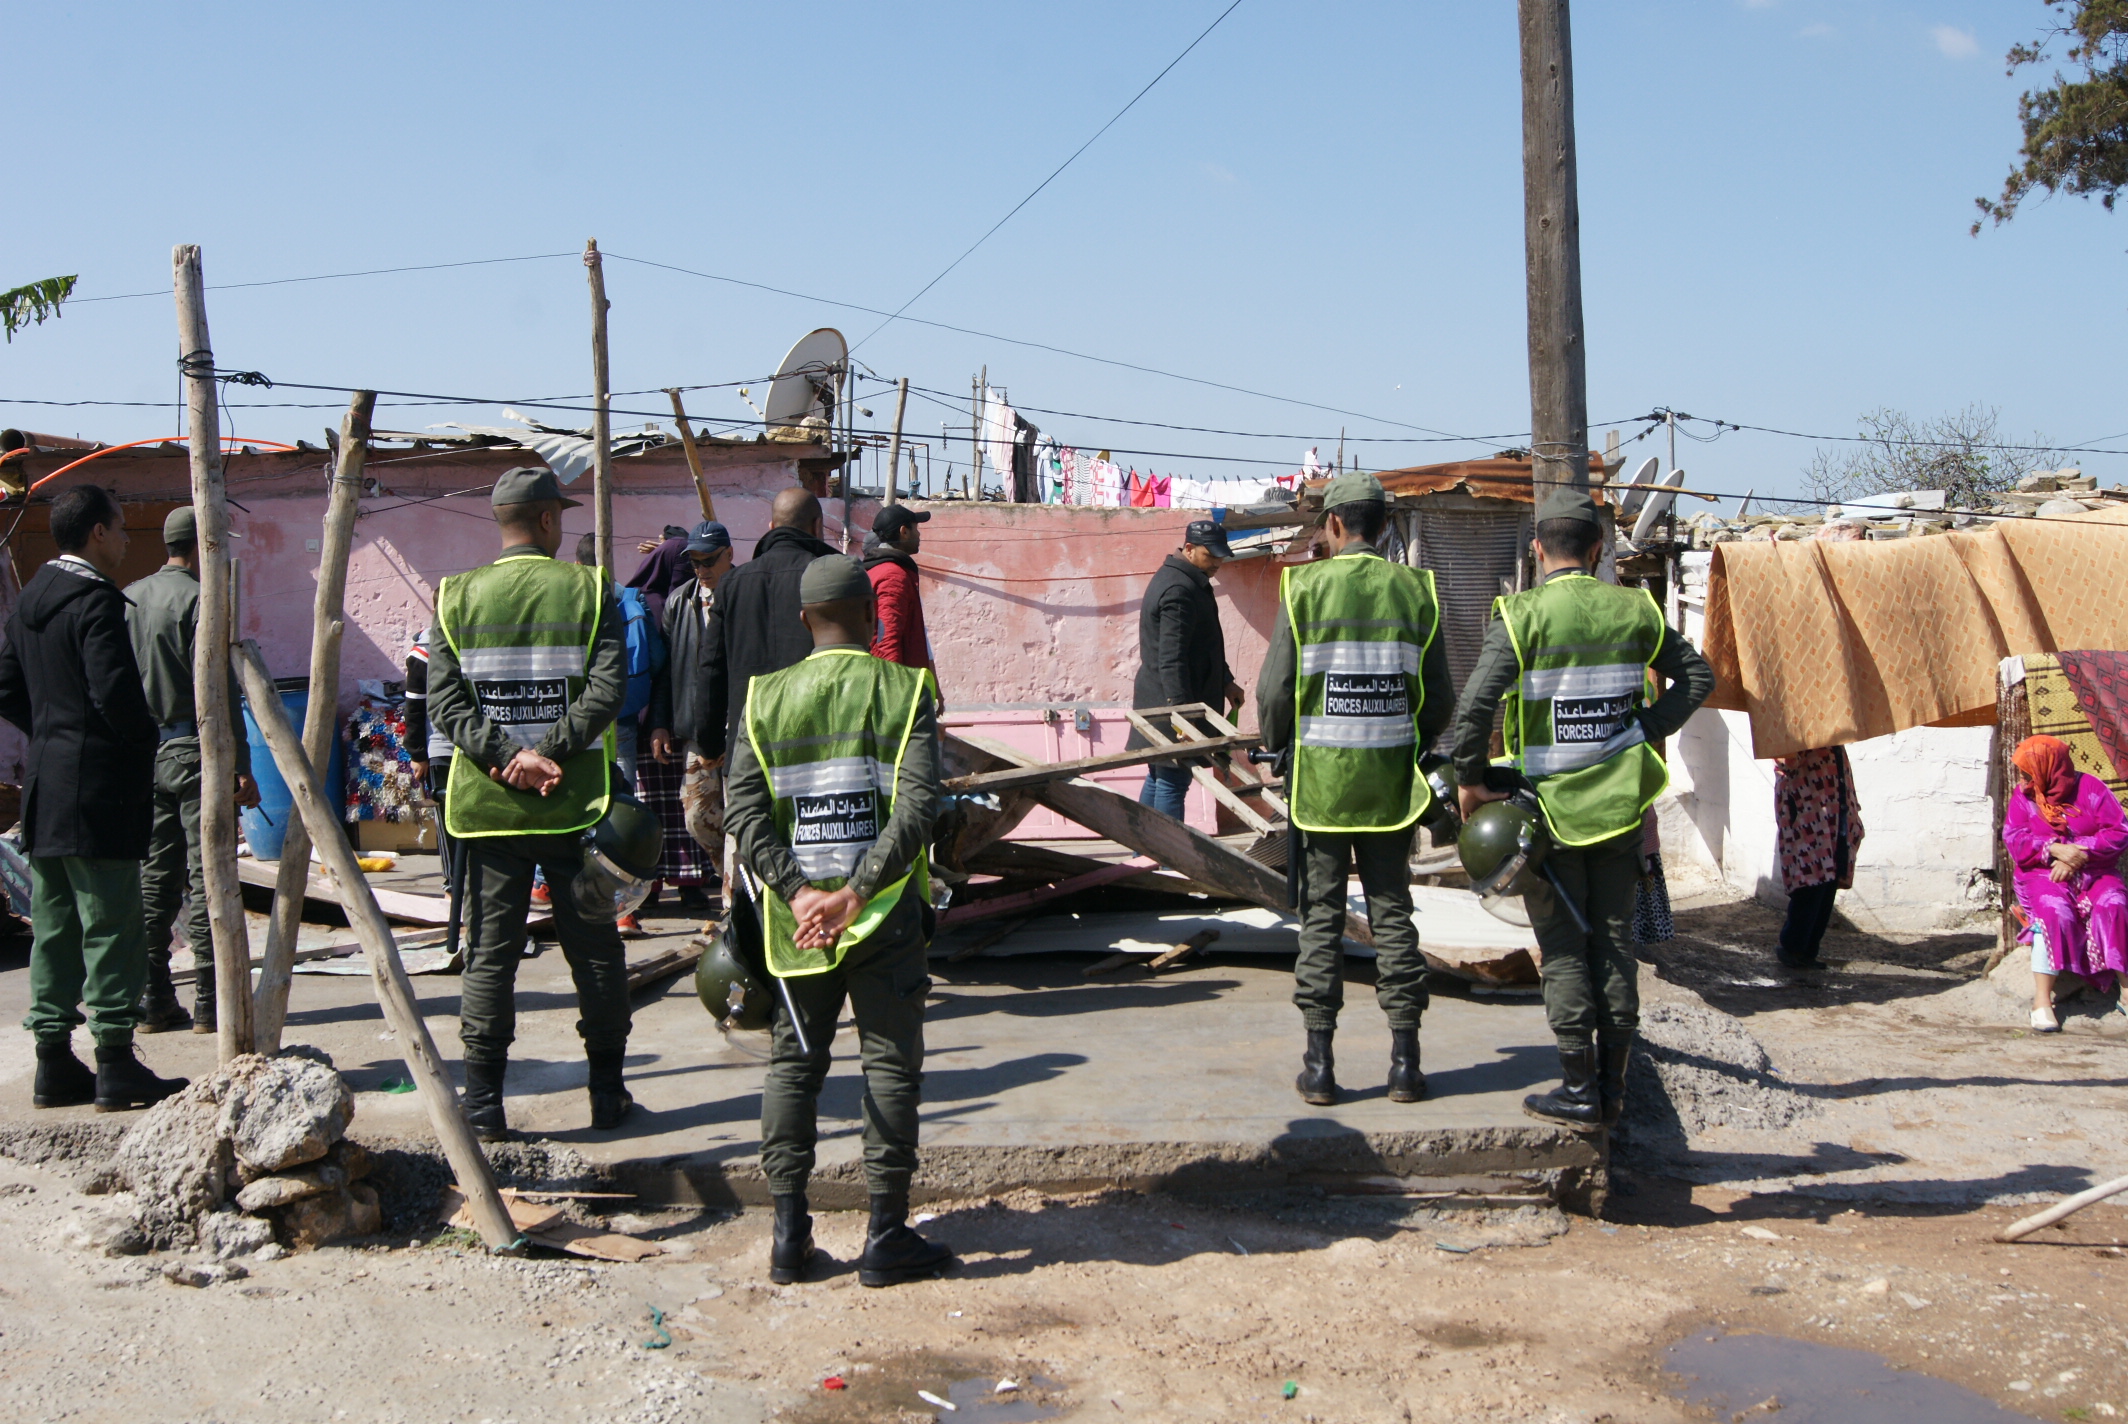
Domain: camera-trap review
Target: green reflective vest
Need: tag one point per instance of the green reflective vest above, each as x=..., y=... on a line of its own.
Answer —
x=1361, y=627
x=522, y=629
x=830, y=734
x=1584, y=647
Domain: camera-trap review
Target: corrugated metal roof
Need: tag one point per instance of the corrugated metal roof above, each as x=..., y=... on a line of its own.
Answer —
x=1496, y=478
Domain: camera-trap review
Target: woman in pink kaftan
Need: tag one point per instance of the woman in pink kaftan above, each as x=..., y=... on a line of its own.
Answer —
x=2065, y=833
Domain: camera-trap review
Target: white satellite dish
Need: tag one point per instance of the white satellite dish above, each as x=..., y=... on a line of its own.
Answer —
x=1636, y=489
x=1659, y=501
x=809, y=380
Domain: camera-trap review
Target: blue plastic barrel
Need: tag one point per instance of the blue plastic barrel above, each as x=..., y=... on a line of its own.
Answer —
x=266, y=824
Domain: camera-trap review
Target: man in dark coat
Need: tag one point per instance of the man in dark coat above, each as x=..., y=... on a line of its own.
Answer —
x=1182, y=654
x=754, y=627
x=68, y=679
x=679, y=783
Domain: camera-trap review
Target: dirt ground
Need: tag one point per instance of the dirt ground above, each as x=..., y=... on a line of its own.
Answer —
x=1911, y=1119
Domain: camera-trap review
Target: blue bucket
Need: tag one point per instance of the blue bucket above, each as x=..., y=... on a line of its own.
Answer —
x=266, y=824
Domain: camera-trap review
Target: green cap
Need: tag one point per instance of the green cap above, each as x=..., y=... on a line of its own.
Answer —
x=1352, y=487
x=180, y=526
x=1558, y=497
x=527, y=484
x=833, y=578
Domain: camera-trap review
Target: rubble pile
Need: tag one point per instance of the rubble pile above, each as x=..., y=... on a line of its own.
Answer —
x=253, y=1154
x=2047, y=494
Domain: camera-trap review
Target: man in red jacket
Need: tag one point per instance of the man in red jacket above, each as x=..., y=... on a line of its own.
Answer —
x=899, y=636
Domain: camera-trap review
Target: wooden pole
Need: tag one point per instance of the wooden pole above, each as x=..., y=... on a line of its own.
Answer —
x=210, y=675
x=601, y=410
x=901, y=404
x=320, y=721
x=402, y=1011
x=694, y=456
x=2062, y=1208
x=975, y=432
x=1551, y=223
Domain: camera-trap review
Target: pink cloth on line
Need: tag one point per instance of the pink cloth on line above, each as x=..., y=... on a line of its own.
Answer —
x=2084, y=919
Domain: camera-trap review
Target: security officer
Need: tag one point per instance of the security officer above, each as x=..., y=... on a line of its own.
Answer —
x=1354, y=686
x=527, y=668
x=833, y=790
x=1570, y=660
x=163, y=619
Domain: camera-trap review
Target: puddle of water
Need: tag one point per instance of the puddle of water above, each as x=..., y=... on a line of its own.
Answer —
x=980, y=1403
x=1818, y=1384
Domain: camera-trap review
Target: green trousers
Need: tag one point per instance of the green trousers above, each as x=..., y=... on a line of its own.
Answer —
x=886, y=981
x=1591, y=981
x=1384, y=861
x=498, y=896
x=87, y=948
x=174, y=868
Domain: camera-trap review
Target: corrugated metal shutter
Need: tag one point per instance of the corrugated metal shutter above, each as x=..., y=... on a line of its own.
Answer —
x=1470, y=554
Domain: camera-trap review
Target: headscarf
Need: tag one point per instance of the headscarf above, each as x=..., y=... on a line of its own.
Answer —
x=2054, y=777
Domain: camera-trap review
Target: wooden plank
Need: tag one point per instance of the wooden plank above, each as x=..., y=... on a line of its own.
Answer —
x=397, y=904
x=1036, y=773
x=420, y=939
x=664, y=964
x=1024, y=858
x=1022, y=899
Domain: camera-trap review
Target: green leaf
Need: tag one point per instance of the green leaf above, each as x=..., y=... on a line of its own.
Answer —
x=30, y=305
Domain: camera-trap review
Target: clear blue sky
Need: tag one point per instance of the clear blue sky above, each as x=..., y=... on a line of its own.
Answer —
x=1322, y=201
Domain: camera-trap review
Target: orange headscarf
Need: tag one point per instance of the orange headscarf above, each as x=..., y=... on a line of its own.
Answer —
x=2054, y=777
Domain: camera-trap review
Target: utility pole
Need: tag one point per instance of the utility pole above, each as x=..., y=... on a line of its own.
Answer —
x=601, y=414
x=210, y=665
x=975, y=431
x=1551, y=223
x=901, y=404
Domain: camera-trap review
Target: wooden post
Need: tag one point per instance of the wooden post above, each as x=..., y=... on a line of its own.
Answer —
x=210, y=674
x=320, y=722
x=601, y=412
x=394, y=990
x=901, y=404
x=975, y=432
x=1551, y=224
x=694, y=456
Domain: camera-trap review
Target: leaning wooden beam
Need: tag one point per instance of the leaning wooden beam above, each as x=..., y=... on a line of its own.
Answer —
x=1037, y=773
x=2065, y=1207
x=394, y=990
x=320, y=721
x=1022, y=899
x=210, y=667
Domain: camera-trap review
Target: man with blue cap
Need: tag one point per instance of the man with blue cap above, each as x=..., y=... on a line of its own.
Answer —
x=1182, y=651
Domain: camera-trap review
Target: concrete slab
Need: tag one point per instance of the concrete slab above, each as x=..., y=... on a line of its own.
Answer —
x=1036, y=1077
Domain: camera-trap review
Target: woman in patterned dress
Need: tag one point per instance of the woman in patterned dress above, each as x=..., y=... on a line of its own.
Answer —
x=1820, y=823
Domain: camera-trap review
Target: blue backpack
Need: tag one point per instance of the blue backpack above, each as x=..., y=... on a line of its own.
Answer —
x=646, y=651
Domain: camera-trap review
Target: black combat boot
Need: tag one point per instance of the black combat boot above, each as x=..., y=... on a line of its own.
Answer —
x=893, y=1252
x=1575, y=1101
x=483, y=1099
x=63, y=1081
x=160, y=1012
x=1615, y=1047
x=790, y=1251
x=610, y=1100
x=1317, y=1082
x=203, y=1001
x=1406, y=1083
x=123, y=1081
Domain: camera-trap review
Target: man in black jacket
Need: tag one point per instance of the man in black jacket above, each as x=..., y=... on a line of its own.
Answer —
x=680, y=783
x=68, y=679
x=754, y=627
x=1182, y=654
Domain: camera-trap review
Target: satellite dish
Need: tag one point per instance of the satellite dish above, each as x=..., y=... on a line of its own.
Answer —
x=1660, y=499
x=1636, y=489
x=809, y=380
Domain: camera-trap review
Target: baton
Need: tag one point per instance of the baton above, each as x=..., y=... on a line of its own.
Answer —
x=790, y=1005
x=1581, y=921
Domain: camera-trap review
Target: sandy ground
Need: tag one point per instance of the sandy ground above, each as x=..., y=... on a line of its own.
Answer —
x=1898, y=1117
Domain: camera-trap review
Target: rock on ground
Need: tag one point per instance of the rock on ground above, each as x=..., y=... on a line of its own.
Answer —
x=283, y=1112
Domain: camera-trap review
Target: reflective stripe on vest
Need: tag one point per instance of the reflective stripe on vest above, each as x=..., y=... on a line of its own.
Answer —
x=522, y=629
x=1361, y=626
x=1583, y=647
x=830, y=734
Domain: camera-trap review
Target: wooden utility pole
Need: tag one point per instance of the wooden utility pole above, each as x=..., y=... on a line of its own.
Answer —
x=1551, y=228
x=210, y=665
x=601, y=414
x=975, y=432
x=402, y=1011
x=694, y=456
x=901, y=404
x=320, y=720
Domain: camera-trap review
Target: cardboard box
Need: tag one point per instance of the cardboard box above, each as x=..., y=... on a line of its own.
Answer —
x=395, y=836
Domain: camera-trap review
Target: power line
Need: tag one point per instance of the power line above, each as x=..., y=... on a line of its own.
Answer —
x=1053, y=176
x=332, y=276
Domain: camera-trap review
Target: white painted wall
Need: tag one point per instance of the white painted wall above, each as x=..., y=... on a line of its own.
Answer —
x=1926, y=811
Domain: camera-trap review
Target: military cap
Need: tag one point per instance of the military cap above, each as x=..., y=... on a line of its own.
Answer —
x=833, y=578
x=527, y=484
x=180, y=526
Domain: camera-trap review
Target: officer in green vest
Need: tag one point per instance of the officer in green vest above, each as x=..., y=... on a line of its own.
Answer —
x=1354, y=686
x=527, y=669
x=1569, y=659
x=832, y=792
